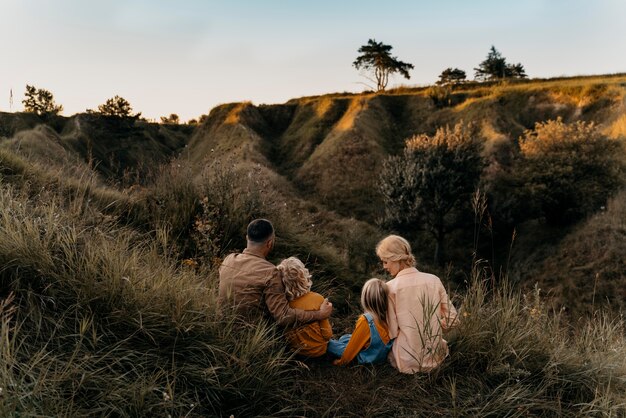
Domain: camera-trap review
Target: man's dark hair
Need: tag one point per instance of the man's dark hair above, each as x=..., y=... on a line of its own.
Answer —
x=260, y=230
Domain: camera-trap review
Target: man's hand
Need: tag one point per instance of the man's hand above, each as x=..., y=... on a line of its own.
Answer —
x=325, y=310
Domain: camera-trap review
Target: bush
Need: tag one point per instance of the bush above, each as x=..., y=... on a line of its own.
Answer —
x=431, y=183
x=440, y=95
x=569, y=170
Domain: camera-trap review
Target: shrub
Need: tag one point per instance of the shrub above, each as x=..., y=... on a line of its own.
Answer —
x=569, y=170
x=230, y=199
x=440, y=95
x=431, y=183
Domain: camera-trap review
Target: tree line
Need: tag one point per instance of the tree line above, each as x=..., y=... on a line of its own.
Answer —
x=41, y=102
x=375, y=61
x=377, y=64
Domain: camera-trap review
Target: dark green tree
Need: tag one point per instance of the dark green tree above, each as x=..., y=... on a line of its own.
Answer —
x=495, y=67
x=116, y=106
x=376, y=58
x=431, y=183
x=516, y=71
x=40, y=101
x=451, y=76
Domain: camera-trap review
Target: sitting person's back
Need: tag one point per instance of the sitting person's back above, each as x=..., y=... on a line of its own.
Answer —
x=369, y=342
x=311, y=339
x=243, y=280
x=251, y=287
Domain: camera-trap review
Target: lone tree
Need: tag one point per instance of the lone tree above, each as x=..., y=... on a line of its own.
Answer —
x=116, y=106
x=431, y=183
x=376, y=57
x=40, y=101
x=451, y=76
x=495, y=67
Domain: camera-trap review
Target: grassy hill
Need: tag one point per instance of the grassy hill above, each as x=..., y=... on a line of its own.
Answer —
x=332, y=146
x=107, y=292
x=112, y=145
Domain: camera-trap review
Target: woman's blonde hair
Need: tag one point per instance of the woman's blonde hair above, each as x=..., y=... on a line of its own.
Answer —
x=374, y=299
x=295, y=277
x=395, y=248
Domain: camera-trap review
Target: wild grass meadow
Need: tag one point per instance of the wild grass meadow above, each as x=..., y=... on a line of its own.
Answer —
x=108, y=284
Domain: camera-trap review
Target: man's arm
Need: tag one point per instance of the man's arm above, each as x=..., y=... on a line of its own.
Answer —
x=285, y=315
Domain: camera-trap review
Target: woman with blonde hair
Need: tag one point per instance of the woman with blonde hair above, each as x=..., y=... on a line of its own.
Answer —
x=369, y=342
x=310, y=339
x=419, y=310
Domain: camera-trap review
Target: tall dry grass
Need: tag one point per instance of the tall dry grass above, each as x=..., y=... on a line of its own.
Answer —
x=97, y=321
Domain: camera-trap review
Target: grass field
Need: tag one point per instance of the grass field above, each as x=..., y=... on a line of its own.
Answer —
x=108, y=283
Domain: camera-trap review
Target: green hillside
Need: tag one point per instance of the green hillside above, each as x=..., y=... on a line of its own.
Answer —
x=332, y=146
x=112, y=230
x=112, y=145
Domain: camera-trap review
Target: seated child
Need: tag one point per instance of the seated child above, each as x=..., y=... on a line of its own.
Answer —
x=309, y=339
x=370, y=342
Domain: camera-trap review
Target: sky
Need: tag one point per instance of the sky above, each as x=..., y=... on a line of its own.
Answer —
x=188, y=56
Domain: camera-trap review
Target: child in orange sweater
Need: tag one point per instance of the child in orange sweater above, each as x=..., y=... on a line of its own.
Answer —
x=369, y=342
x=309, y=339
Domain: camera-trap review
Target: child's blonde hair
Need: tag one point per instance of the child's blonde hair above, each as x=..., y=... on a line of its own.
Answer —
x=295, y=277
x=374, y=298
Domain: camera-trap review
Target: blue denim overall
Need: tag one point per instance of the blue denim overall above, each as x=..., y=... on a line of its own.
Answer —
x=375, y=353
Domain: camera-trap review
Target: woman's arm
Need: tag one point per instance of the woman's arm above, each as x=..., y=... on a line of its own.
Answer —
x=447, y=311
x=392, y=318
x=360, y=339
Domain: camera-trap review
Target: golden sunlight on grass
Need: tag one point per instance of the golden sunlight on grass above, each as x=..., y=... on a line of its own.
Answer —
x=618, y=128
x=323, y=106
x=357, y=105
x=493, y=137
x=467, y=103
x=234, y=115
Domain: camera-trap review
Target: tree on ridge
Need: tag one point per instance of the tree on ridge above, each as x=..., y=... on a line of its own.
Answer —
x=376, y=57
x=452, y=76
x=495, y=67
x=40, y=102
x=116, y=106
x=172, y=119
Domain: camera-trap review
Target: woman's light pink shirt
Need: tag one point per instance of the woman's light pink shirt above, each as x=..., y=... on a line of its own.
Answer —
x=419, y=309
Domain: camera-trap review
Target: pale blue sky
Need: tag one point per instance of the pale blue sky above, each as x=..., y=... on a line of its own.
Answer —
x=187, y=56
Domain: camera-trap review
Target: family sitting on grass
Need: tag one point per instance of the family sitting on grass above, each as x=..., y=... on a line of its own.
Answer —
x=403, y=319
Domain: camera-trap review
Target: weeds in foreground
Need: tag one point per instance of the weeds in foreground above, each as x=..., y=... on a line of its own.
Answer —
x=511, y=357
x=96, y=319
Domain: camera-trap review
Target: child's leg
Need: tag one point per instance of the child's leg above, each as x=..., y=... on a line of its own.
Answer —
x=337, y=347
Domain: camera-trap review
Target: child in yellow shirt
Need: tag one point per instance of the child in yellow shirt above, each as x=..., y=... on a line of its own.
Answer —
x=369, y=342
x=310, y=339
